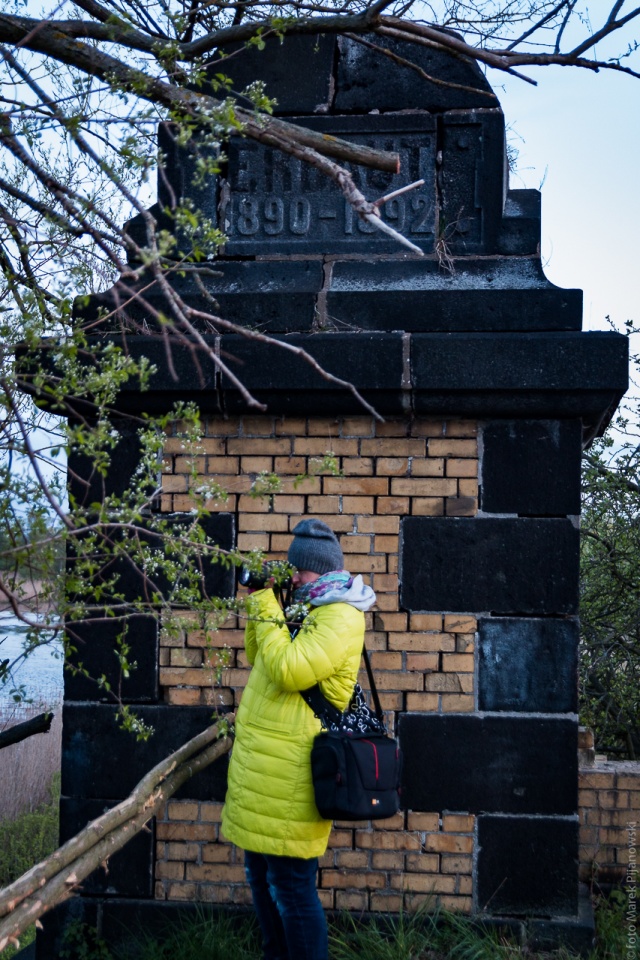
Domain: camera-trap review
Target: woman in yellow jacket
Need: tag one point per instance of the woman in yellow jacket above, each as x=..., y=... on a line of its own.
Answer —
x=270, y=810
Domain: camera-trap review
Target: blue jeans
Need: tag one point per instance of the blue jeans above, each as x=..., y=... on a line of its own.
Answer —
x=286, y=902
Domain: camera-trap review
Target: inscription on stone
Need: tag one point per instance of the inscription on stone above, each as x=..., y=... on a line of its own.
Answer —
x=276, y=203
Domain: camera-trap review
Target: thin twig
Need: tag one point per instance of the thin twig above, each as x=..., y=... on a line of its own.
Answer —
x=397, y=193
x=403, y=62
x=53, y=501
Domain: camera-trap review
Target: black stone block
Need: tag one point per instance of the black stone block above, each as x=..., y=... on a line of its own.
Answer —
x=519, y=363
x=307, y=58
x=137, y=229
x=95, y=646
x=417, y=296
x=101, y=761
x=272, y=296
x=130, y=870
x=502, y=566
x=178, y=172
x=178, y=180
x=372, y=363
x=132, y=583
x=368, y=79
x=528, y=665
x=532, y=467
x=365, y=78
x=576, y=934
x=528, y=866
x=218, y=580
x=520, y=227
x=87, y=486
x=375, y=360
x=544, y=375
x=491, y=764
x=50, y=937
x=473, y=181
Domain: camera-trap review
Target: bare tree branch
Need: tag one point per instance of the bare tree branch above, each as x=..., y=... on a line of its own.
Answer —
x=540, y=23
x=608, y=28
x=26, y=439
x=47, y=39
x=54, y=880
x=403, y=62
x=21, y=731
x=614, y=475
x=356, y=23
x=563, y=25
x=443, y=40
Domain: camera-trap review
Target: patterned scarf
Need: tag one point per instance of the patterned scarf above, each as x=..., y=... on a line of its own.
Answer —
x=334, y=580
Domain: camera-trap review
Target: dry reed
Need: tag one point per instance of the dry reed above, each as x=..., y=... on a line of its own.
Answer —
x=27, y=768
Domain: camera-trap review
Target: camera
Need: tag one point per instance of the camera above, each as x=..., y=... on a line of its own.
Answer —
x=273, y=572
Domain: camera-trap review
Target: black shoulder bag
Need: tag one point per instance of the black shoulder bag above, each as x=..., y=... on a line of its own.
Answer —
x=355, y=765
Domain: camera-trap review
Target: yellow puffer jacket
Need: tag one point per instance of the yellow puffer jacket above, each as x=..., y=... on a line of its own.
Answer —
x=269, y=806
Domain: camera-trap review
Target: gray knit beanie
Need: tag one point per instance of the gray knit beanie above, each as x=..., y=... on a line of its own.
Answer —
x=315, y=547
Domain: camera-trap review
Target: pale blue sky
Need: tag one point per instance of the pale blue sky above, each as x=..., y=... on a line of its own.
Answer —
x=580, y=133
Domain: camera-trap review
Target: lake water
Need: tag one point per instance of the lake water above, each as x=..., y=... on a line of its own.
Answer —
x=40, y=673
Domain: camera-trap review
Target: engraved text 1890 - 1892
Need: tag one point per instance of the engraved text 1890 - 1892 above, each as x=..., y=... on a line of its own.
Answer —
x=275, y=201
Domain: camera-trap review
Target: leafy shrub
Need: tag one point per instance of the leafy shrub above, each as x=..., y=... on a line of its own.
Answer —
x=25, y=841
x=29, y=838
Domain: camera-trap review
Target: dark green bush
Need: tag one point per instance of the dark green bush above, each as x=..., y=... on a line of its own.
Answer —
x=23, y=843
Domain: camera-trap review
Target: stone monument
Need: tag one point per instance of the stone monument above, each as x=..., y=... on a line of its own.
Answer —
x=460, y=507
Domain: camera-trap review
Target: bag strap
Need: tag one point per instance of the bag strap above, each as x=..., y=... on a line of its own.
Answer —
x=322, y=708
x=325, y=710
x=372, y=684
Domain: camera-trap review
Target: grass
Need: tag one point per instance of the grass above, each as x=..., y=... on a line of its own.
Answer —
x=612, y=927
x=25, y=841
x=422, y=936
x=440, y=935
x=222, y=936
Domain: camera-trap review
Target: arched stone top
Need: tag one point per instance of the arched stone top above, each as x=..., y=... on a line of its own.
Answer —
x=297, y=257
x=339, y=75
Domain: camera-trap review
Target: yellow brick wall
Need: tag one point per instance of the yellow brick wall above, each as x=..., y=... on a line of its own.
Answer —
x=609, y=806
x=422, y=662
x=388, y=866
